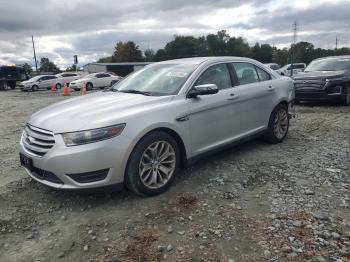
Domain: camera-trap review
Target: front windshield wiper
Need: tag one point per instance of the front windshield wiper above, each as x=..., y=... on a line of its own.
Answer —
x=133, y=91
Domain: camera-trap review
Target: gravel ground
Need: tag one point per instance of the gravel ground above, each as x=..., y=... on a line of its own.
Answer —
x=255, y=202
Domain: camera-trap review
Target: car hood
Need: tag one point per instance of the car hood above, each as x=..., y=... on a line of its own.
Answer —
x=319, y=75
x=27, y=82
x=93, y=111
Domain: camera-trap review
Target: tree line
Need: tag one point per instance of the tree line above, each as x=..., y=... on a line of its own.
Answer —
x=219, y=44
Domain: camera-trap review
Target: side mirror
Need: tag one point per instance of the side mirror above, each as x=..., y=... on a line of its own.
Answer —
x=282, y=74
x=202, y=90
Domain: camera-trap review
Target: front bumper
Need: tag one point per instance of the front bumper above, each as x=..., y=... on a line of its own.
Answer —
x=76, y=86
x=316, y=95
x=64, y=167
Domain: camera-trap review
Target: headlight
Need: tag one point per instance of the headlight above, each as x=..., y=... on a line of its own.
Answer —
x=91, y=136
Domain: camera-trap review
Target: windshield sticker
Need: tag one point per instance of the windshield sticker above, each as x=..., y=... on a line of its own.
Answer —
x=177, y=74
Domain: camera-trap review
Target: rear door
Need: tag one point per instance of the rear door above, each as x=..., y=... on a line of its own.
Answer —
x=256, y=97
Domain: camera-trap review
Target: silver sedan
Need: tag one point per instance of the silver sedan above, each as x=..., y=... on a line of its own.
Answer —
x=142, y=130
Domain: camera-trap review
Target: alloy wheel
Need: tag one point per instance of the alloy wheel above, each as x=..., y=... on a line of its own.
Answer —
x=157, y=164
x=281, y=122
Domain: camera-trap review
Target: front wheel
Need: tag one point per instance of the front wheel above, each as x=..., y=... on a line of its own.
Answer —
x=89, y=86
x=345, y=98
x=35, y=88
x=153, y=164
x=278, y=125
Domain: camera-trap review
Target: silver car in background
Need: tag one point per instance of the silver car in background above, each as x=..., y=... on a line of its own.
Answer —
x=142, y=130
x=40, y=82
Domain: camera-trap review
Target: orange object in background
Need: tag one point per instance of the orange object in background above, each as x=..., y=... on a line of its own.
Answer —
x=83, y=90
x=54, y=88
x=66, y=90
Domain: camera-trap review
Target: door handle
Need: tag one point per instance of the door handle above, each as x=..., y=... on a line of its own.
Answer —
x=232, y=97
x=271, y=88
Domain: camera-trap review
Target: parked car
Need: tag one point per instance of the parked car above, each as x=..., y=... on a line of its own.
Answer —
x=98, y=80
x=287, y=69
x=67, y=77
x=142, y=130
x=40, y=82
x=325, y=78
x=273, y=66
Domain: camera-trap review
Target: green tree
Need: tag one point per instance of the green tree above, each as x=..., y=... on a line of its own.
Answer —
x=160, y=55
x=108, y=59
x=47, y=66
x=263, y=53
x=217, y=43
x=182, y=46
x=27, y=68
x=238, y=47
x=72, y=68
x=149, y=55
x=303, y=52
x=127, y=52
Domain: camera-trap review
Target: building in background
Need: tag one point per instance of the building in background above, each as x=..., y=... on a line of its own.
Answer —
x=121, y=69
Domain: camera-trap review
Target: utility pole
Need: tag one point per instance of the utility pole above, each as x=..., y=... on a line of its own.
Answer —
x=336, y=42
x=295, y=31
x=36, y=63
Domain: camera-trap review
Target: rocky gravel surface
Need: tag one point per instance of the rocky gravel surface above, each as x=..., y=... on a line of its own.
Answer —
x=254, y=202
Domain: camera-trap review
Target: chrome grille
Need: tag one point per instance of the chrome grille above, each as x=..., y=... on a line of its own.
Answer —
x=37, y=141
x=309, y=84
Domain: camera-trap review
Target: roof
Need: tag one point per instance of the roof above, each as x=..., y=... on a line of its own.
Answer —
x=332, y=57
x=112, y=64
x=199, y=60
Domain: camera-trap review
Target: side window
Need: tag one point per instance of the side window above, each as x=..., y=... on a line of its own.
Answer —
x=246, y=73
x=64, y=75
x=44, y=78
x=52, y=77
x=218, y=75
x=102, y=75
x=263, y=76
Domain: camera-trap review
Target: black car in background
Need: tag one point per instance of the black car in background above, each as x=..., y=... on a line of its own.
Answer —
x=326, y=79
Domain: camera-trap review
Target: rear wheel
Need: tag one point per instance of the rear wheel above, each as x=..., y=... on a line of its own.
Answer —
x=345, y=98
x=278, y=125
x=35, y=88
x=153, y=164
x=58, y=86
x=89, y=86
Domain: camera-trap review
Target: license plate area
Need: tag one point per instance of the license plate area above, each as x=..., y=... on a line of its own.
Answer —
x=27, y=162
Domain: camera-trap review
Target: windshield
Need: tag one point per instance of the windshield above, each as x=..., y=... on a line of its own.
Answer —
x=157, y=80
x=330, y=64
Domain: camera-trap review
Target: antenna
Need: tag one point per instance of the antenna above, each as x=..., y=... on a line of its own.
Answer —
x=36, y=64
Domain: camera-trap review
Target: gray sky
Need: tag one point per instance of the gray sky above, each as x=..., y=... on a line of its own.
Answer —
x=90, y=28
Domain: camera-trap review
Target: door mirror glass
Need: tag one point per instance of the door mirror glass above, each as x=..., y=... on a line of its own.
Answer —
x=201, y=90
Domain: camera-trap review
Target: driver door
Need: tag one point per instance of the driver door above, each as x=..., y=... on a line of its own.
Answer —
x=211, y=116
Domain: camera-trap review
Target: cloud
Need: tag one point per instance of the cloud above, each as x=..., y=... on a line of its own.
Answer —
x=89, y=28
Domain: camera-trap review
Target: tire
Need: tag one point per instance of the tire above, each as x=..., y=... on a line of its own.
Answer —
x=89, y=86
x=345, y=97
x=12, y=85
x=35, y=88
x=278, y=125
x=58, y=86
x=77, y=89
x=142, y=182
